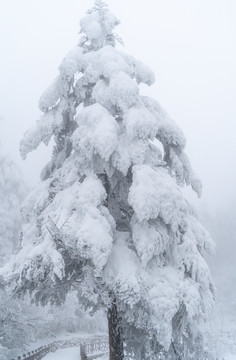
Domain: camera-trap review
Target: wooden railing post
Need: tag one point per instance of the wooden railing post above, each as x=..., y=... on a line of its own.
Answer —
x=83, y=355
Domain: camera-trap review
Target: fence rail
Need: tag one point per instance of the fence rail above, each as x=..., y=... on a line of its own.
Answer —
x=99, y=345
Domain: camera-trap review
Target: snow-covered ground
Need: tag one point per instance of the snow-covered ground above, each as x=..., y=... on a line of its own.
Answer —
x=74, y=354
x=70, y=354
x=64, y=354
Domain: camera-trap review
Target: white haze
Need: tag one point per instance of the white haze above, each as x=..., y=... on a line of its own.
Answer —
x=190, y=46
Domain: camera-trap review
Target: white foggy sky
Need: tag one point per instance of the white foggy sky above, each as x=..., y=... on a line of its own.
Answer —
x=189, y=44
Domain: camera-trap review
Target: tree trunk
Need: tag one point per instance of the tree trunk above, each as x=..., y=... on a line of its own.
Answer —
x=115, y=334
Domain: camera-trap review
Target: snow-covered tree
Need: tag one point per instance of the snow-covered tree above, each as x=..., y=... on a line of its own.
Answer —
x=109, y=218
x=12, y=192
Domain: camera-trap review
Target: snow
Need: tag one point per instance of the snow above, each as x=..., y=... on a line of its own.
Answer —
x=91, y=26
x=123, y=92
x=141, y=72
x=122, y=269
x=97, y=132
x=73, y=62
x=156, y=234
x=169, y=131
x=140, y=123
x=108, y=172
x=45, y=127
x=154, y=193
x=64, y=354
x=171, y=136
x=94, y=226
x=97, y=25
x=51, y=95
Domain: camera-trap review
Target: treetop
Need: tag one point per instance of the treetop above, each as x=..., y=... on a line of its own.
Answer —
x=97, y=27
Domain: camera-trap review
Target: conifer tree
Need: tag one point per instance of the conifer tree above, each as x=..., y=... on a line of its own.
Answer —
x=109, y=218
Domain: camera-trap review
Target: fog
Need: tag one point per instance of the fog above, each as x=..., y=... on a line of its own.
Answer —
x=190, y=46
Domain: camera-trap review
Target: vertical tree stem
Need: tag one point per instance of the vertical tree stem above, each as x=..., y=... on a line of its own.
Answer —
x=115, y=334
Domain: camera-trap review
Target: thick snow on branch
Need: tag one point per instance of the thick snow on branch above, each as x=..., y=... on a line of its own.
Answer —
x=97, y=133
x=152, y=289
x=105, y=63
x=154, y=193
x=150, y=239
x=169, y=133
x=122, y=92
x=138, y=70
x=141, y=124
x=72, y=63
x=90, y=24
x=44, y=129
x=130, y=152
x=174, y=142
x=51, y=95
x=80, y=219
x=121, y=271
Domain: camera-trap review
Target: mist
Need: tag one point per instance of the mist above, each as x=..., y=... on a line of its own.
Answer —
x=189, y=45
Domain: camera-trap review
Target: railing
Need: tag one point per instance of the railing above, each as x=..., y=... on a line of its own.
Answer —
x=91, y=350
x=99, y=345
x=36, y=354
